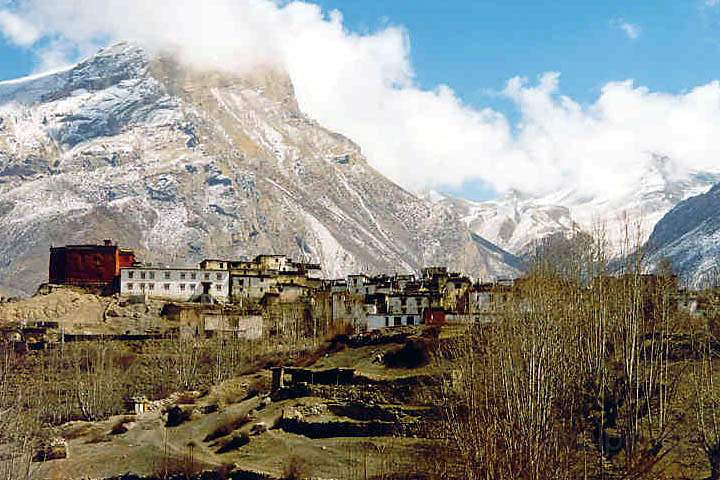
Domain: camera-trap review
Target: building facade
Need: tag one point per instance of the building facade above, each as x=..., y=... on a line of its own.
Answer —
x=89, y=265
x=183, y=284
x=378, y=321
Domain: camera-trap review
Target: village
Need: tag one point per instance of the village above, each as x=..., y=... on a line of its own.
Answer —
x=253, y=298
x=261, y=367
x=238, y=297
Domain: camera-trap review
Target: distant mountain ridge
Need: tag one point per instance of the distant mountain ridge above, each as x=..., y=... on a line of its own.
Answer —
x=182, y=164
x=516, y=222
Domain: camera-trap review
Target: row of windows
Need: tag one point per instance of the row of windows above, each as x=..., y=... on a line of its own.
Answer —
x=397, y=321
x=166, y=286
x=167, y=275
x=241, y=281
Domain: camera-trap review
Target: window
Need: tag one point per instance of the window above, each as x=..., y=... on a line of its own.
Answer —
x=207, y=276
x=218, y=286
x=142, y=275
x=130, y=286
x=142, y=286
x=411, y=320
x=182, y=286
x=151, y=286
x=222, y=265
x=182, y=276
x=167, y=275
x=152, y=275
x=218, y=276
x=131, y=274
x=192, y=286
x=387, y=321
x=193, y=276
x=166, y=286
x=397, y=321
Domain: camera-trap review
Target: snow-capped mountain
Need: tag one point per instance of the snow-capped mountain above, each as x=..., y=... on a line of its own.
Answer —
x=689, y=236
x=182, y=164
x=515, y=222
x=639, y=206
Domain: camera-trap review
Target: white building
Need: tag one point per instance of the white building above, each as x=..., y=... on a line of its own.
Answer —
x=407, y=304
x=378, y=321
x=182, y=284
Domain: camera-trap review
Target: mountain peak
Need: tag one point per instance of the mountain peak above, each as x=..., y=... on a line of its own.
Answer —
x=183, y=163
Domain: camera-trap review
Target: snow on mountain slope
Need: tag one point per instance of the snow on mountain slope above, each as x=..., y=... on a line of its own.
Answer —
x=182, y=164
x=651, y=196
x=689, y=236
x=515, y=222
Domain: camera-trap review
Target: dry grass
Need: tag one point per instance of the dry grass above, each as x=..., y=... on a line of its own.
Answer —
x=295, y=469
x=228, y=426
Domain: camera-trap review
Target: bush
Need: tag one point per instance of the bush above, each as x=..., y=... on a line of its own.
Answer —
x=235, y=442
x=120, y=425
x=415, y=353
x=177, y=415
x=259, y=386
x=296, y=469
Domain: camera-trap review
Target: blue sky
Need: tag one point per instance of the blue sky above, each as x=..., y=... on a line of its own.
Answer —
x=476, y=46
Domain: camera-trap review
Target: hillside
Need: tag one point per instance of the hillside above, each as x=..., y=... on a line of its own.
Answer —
x=182, y=164
x=689, y=236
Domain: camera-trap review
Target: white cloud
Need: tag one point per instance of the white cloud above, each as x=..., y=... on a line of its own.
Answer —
x=17, y=30
x=712, y=3
x=363, y=86
x=632, y=30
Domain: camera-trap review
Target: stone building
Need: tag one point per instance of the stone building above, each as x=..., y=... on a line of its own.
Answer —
x=89, y=265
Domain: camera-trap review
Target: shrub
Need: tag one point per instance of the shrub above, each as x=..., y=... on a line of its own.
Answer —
x=120, y=425
x=177, y=415
x=296, y=468
x=415, y=353
x=259, y=386
x=234, y=442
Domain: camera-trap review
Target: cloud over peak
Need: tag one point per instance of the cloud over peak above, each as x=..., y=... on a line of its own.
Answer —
x=363, y=86
x=17, y=30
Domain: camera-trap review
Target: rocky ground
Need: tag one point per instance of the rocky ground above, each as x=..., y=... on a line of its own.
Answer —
x=381, y=425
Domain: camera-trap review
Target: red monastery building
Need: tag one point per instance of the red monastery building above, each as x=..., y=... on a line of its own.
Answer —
x=89, y=265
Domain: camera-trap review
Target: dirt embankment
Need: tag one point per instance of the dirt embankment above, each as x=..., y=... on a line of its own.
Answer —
x=78, y=311
x=63, y=305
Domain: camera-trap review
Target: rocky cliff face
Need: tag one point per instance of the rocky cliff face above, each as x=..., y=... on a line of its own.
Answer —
x=182, y=165
x=689, y=236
